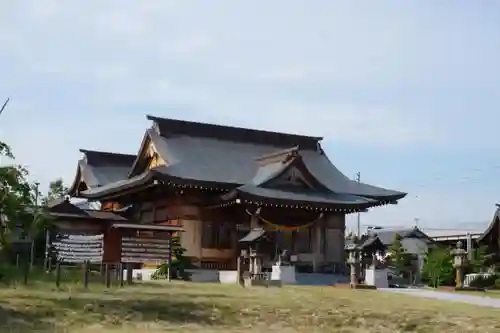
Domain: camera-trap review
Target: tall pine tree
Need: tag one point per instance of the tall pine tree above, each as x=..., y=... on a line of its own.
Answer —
x=400, y=260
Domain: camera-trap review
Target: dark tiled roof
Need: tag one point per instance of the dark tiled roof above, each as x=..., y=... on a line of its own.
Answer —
x=306, y=196
x=63, y=208
x=227, y=155
x=494, y=225
x=174, y=127
x=102, y=158
x=101, y=168
x=387, y=236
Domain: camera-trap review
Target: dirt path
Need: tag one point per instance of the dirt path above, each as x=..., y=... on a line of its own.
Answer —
x=471, y=299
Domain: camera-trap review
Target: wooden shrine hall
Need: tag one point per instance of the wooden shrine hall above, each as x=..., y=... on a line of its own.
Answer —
x=219, y=182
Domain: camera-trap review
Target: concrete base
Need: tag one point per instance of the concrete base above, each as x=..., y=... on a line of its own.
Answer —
x=228, y=277
x=143, y=274
x=262, y=283
x=363, y=286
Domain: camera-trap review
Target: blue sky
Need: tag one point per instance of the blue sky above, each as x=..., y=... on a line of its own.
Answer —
x=405, y=92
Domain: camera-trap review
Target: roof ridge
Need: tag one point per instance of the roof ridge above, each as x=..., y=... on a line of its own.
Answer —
x=85, y=151
x=168, y=127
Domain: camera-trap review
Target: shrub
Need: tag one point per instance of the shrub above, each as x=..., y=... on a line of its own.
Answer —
x=178, y=266
x=484, y=281
x=438, y=268
x=497, y=283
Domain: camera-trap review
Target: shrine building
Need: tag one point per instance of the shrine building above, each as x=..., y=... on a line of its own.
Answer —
x=219, y=182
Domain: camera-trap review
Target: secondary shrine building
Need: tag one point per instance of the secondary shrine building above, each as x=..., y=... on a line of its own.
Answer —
x=219, y=182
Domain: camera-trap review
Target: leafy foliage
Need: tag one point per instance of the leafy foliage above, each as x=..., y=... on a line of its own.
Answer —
x=438, y=267
x=484, y=281
x=179, y=263
x=480, y=260
x=16, y=193
x=20, y=214
x=400, y=260
x=57, y=190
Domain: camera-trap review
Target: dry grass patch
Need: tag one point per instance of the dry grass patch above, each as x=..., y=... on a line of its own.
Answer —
x=190, y=307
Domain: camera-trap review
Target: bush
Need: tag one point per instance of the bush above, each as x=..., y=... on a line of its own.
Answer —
x=178, y=266
x=497, y=283
x=482, y=281
x=438, y=269
x=177, y=271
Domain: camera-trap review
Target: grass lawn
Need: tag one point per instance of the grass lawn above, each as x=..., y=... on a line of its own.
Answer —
x=191, y=307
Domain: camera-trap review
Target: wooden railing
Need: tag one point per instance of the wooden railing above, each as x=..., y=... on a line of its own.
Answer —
x=216, y=265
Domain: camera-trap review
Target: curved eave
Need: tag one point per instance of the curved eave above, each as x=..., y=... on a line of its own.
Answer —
x=316, y=200
x=494, y=223
x=116, y=188
x=73, y=189
x=392, y=197
x=145, y=141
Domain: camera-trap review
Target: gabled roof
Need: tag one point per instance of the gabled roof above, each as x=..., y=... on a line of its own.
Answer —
x=308, y=191
x=214, y=154
x=387, y=236
x=62, y=208
x=99, y=168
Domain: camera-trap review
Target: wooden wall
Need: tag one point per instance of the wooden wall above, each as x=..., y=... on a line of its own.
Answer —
x=187, y=210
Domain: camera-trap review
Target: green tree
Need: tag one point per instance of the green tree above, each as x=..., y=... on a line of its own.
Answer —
x=19, y=211
x=57, y=190
x=438, y=267
x=400, y=260
x=15, y=195
x=480, y=259
x=179, y=263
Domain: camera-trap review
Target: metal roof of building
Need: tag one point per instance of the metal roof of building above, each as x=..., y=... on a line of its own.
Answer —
x=227, y=155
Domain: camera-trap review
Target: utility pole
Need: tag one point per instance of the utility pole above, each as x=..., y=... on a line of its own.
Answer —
x=32, y=236
x=358, y=179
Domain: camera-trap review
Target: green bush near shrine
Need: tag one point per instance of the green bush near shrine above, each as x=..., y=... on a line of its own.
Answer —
x=180, y=263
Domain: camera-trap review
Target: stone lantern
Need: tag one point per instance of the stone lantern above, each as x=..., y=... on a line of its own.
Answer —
x=353, y=261
x=459, y=262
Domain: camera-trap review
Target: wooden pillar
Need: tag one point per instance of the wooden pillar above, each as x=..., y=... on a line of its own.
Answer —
x=169, y=260
x=239, y=269
x=46, y=266
x=316, y=246
x=86, y=274
x=129, y=273
x=254, y=222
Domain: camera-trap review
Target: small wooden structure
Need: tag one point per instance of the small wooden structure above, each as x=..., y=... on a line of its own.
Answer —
x=106, y=239
x=254, y=254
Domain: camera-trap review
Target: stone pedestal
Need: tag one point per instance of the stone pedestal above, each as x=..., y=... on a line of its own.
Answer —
x=459, y=262
x=353, y=261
